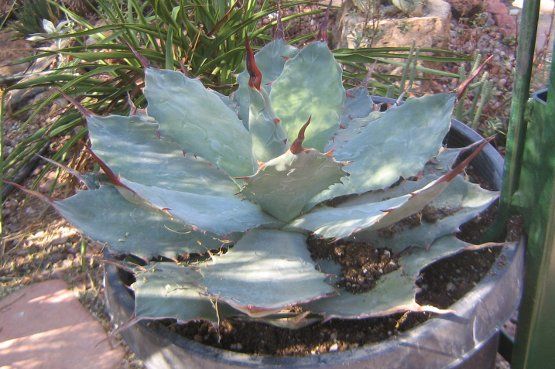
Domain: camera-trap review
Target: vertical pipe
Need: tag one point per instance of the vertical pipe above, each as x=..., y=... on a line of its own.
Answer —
x=521, y=90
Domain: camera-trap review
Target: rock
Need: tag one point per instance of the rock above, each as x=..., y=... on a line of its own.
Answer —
x=44, y=326
x=431, y=30
x=12, y=49
x=500, y=12
x=466, y=8
x=17, y=99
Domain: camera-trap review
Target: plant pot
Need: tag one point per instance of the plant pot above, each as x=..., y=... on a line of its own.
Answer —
x=468, y=340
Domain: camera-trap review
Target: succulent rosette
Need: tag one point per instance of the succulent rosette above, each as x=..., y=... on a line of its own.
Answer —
x=255, y=173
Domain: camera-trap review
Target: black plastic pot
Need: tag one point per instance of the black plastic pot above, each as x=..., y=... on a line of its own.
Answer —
x=466, y=342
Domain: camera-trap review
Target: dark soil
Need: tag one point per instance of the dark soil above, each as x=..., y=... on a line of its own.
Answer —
x=361, y=264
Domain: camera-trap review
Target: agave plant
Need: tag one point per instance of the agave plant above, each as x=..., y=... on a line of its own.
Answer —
x=290, y=154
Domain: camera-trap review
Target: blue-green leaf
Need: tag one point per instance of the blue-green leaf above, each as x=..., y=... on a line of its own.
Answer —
x=265, y=272
x=283, y=185
x=104, y=215
x=460, y=202
x=198, y=120
x=270, y=60
x=310, y=86
x=156, y=171
x=131, y=148
x=169, y=291
x=346, y=219
x=268, y=137
x=393, y=293
x=396, y=145
x=221, y=215
x=358, y=104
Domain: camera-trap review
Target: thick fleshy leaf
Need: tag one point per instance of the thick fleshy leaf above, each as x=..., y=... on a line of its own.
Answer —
x=358, y=104
x=231, y=103
x=242, y=97
x=198, y=120
x=104, y=215
x=270, y=60
x=393, y=293
x=459, y=203
x=268, y=137
x=266, y=271
x=414, y=260
x=221, y=215
x=417, y=259
x=156, y=171
x=434, y=169
x=129, y=146
x=283, y=185
x=346, y=133
x=169, y=291
x=343, y=221
x=397, y=145
x=310, y=86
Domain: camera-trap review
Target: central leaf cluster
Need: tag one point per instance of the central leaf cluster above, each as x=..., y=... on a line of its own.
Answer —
x=202, y=170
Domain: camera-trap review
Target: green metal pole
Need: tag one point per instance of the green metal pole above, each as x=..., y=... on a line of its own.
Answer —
x=521, y=91
x=535, y=341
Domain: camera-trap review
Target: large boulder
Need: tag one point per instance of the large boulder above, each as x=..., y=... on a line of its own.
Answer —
x=429, y=30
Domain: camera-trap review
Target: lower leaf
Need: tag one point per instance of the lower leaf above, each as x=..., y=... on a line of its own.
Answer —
x=265, y=272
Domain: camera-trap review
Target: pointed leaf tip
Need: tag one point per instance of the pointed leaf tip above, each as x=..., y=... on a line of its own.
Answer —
x=463, y=164
x=279, y=32
x=324, y=24
x=464, y=85
x=182, y=67
x=29, y=192
x=109, y=172
x=86, y=112
x=144, y=61
x=297, y=145
x=69, y=170
x=254, y=73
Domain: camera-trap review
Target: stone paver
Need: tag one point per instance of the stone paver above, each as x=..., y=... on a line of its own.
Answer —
x=44, y=326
